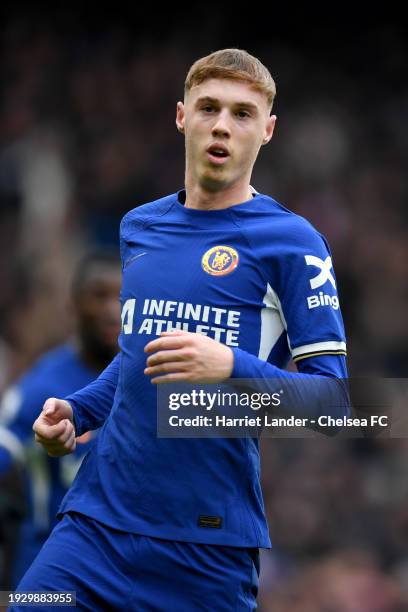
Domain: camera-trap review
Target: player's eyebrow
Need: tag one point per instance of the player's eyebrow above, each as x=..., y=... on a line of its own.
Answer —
x=241, y=103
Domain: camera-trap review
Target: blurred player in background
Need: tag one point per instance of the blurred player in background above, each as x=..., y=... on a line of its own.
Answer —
x=234, y=285
x=95, y=305
x=12, y=511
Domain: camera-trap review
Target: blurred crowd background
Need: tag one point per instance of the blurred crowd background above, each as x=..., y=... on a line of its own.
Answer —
x=87, y=132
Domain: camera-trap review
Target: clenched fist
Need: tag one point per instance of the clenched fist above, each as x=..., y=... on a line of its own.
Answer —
x=54, y=428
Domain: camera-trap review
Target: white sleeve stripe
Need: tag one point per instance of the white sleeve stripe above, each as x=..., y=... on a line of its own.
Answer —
x=274, y=302
x=11, y=443
x=332, y=345
x=271, y=324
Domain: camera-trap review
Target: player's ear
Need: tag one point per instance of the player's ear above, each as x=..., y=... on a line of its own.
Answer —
x=270, y=126
x=180, y=116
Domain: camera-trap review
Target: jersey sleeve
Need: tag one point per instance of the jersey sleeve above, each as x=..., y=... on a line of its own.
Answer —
x=306, y=296
x=92, y=404
x=319, y=388
x=302, y=288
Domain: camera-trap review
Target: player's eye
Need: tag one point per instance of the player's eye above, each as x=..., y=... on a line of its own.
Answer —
x=243, y=114
x=208, y=108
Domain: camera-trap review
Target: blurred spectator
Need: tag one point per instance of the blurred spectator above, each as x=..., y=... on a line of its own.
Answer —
x=349, y=581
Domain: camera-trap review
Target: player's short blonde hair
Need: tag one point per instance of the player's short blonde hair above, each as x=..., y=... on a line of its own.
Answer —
x=235, y=64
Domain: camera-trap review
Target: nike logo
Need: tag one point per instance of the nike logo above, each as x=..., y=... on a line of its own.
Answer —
x=131, y=259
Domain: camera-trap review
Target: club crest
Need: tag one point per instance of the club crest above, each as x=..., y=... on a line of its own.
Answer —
x=220, y=260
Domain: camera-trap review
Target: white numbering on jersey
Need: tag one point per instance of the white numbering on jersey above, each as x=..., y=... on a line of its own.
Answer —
x=128, y=312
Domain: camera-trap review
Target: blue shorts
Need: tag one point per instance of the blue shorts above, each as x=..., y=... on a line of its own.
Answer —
x=116, y=570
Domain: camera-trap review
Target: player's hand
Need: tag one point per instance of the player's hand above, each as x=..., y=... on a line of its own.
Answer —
x=54, y=428
x=185, y=356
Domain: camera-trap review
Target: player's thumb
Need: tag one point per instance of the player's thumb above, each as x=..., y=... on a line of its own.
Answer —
x=57, y=409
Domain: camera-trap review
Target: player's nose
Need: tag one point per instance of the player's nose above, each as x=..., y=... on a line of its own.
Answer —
x=221, y=125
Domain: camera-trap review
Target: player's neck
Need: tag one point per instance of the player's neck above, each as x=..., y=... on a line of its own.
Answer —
x=201, y=199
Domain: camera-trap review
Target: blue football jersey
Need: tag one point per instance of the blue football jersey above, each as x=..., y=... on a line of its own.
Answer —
x=253, y=276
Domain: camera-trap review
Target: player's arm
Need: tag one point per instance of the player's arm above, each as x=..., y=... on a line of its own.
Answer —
x=63, y=420
x=92, y=404
x=318, y=388
x=303, y=290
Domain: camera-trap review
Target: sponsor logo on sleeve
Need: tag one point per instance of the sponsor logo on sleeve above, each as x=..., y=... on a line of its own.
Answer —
x=323, y=276
x=325, y=266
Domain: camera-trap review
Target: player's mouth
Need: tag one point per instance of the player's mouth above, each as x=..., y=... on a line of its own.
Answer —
x=218, y=154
